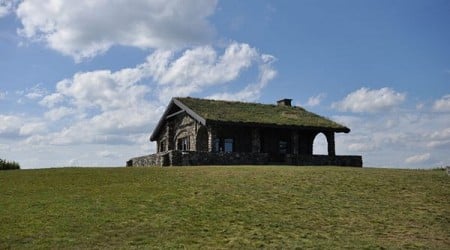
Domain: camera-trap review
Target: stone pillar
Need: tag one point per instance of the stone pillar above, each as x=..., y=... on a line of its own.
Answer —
x=256, y=141
x=211, y=137
x=295, y=146
x=170, y=137
x=331, y=144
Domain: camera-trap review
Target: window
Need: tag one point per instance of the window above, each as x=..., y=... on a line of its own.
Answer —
x=283, y=145
x=183, y=144
x=228, y=145
x=162, y=146
x=216, y=145
x=223, y=145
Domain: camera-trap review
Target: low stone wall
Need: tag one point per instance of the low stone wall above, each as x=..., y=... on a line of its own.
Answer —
x=219, y=158
x=192, y=158
x=325, y=160
x=159, y=159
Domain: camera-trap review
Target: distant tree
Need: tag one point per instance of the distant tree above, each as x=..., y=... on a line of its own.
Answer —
x=8, y=165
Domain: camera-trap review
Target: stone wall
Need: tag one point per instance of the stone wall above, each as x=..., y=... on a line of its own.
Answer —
x=192, y=158
x=158, y=159
x=325, y=160
x=182, y=126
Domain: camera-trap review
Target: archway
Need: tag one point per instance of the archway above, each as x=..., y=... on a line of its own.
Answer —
x=202, y=139
x=320, y=145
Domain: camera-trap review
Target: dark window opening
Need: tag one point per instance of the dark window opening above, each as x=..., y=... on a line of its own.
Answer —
x=183, y=144
x=283, y=147
x=216, y=145
x=162, y=147
x=223, y=145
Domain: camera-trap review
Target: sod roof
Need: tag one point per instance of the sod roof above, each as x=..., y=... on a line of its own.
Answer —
x=255, y=113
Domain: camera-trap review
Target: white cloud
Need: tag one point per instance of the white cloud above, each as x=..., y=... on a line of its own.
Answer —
x=420, y=158
x=35, y=92
x=439, y=139
x=388, y=138
x=443, y=104
x=103, y=107
x=201, y=67
x=106, y=154
x=55, y=114
x=441, y=135
x=367, y=100
x=252, y=92
x=101, y=89
x=315, y=100
x=85, y=28
x=6, y=7
x=114, y=107
x=15, y=126
x=32, y=128
x=10, y=125
x=52, y=99
x=3, y=95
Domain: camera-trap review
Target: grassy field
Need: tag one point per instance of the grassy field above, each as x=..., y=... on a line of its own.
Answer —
x=225, y=207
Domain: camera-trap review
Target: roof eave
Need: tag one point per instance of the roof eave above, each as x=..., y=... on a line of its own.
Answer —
x=161, y=122
x=342, y=129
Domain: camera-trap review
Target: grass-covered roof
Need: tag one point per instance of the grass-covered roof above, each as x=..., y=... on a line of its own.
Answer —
x=255, y=113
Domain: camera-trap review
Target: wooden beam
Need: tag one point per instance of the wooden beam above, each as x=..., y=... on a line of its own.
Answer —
x=175, y=114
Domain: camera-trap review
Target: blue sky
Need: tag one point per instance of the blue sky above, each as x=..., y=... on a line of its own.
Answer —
x=83, y=83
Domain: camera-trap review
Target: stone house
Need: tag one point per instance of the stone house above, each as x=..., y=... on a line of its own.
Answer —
x=196, y=131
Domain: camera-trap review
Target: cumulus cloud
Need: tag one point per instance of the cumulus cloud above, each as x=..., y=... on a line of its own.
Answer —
x=31, y=128
x=10, y=125
x=367, y=100
x=104, y=107
x=58, y=113
x=315, y=100
x=101, y=89
x=442, y=105
x=120, y=107
x=14, y=126
x=439, y=139
x=6, y=6
x=52, y=99
x=202, y=67
x=85, y=28
x=253, y=91
x=420, y=158
x=389, y=138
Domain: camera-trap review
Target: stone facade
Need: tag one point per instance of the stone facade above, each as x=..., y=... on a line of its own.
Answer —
x=179, y=128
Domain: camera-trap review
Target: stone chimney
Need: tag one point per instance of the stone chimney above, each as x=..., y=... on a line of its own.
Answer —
x=284, y=102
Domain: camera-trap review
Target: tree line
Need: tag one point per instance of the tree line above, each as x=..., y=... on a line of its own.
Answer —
x=8, y=165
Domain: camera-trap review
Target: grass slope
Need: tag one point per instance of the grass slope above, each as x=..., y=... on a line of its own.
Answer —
x=225, y=207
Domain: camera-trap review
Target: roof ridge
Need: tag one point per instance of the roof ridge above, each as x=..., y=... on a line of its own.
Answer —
x=243, y=102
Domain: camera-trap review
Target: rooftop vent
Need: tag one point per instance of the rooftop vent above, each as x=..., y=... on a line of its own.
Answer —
x=284, y=102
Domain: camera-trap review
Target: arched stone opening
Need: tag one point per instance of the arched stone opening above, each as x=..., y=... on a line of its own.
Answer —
x=202, y=139
x=320, y=144
x=323, y=144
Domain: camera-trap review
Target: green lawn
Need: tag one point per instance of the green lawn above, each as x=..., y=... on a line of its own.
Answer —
x=225, y=207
